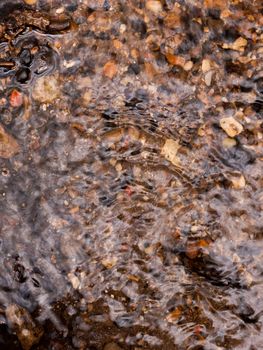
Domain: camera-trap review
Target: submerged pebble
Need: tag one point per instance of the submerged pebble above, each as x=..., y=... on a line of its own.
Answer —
x=20, y=321
x=46, y=89
x=112, y=346
x=30, y=2
x=231, y=126
x=8, y=145
x=170, y=149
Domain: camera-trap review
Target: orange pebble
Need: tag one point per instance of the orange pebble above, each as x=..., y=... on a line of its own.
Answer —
x=16, y=98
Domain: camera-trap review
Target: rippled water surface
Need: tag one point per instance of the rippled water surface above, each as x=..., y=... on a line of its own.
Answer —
x=131, y=174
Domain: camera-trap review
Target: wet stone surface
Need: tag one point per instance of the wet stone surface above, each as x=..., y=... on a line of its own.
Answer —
x=131, y=174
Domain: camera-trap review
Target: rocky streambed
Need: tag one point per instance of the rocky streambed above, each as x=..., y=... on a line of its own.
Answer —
x=131, y=174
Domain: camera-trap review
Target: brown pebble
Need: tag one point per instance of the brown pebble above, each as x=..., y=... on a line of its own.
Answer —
x=208, y=78
x=110, y=69
x=154, y=6
x=30, y=2
x=174, y=315
x=8, y=145
x=231, y=126
x=27, y=331
x=192, y=250
x=112, y=346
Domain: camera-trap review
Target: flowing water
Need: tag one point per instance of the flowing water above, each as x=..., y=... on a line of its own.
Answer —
x=130, y=214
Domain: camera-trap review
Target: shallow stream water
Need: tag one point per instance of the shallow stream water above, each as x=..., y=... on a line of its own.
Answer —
x=131, y=175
